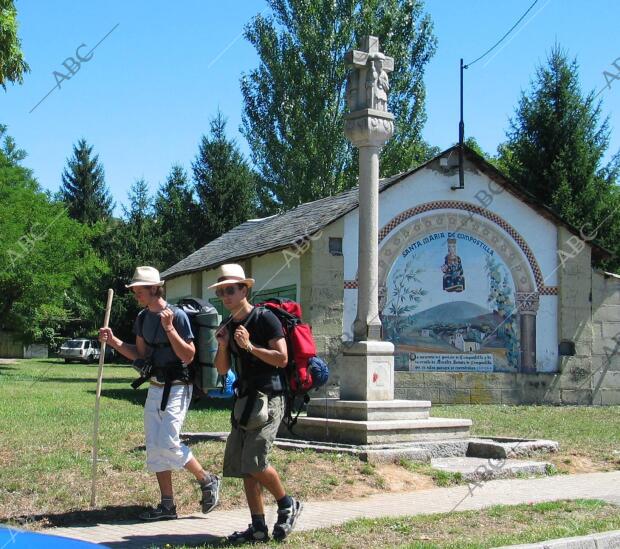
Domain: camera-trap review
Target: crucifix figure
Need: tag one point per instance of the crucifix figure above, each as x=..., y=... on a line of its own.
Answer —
x=367, y=81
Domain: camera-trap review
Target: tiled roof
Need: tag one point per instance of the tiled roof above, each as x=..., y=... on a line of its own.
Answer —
x=260, y=236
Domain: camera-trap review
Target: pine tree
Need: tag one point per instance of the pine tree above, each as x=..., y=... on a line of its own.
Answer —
x=83, y=186
x=224, y=183
x=140, y=233
x=555, y=149
x=130, y=242
x=176, y=214
x=556, y=144
x=295, y=100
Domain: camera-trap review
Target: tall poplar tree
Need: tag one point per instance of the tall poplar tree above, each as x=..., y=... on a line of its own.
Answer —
x=295, y=100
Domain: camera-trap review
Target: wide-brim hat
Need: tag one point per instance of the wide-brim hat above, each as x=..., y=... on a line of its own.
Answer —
x=231, y=273
x=145, y=276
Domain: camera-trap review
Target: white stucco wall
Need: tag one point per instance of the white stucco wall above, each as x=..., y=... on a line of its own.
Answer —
x=429, y=185
x=270, y=271
x=275, y=270
x=178, y=287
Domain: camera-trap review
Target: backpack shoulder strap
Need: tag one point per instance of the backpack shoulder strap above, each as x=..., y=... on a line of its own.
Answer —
x=141, y=316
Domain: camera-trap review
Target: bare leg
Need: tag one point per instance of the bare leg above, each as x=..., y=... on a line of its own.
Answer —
x=270, y=479
x=254, y=495
x=164, y=478
x=194, y=467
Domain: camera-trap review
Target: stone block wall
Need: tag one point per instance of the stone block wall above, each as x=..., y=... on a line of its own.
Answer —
x=606, y=338
x=476, y=387
x=321, y=296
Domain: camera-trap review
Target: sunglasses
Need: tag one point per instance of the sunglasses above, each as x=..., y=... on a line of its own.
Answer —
x=228, y=290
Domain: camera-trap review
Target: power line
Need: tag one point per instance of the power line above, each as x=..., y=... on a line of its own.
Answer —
x=502, y=38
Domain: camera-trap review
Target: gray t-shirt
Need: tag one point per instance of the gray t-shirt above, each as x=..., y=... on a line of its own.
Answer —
x=153, y=332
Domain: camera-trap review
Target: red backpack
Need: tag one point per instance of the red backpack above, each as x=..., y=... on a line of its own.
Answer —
x=305, y=371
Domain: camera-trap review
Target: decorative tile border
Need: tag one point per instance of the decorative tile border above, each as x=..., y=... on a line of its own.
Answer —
x=457, y=205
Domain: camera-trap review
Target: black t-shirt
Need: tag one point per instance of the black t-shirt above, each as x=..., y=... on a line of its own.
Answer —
x=262, y=326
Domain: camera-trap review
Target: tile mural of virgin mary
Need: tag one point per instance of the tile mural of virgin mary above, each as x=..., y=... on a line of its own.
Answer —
x=453, y=278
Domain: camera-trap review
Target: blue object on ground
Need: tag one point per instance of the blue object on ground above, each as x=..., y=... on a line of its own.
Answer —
x=23, y=539
x=226, y=391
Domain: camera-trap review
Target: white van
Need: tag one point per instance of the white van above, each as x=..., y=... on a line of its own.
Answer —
x=81, y=350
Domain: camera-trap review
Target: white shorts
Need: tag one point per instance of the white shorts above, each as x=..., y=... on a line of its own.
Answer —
x=164, y=451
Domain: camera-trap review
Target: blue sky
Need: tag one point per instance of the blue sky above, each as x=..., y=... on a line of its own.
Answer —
x=151, y=87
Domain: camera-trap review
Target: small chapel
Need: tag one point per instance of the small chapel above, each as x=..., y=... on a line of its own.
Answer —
x=487, y=295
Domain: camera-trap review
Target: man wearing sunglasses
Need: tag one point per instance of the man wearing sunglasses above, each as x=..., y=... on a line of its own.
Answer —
x=164, y=337
x=253, y=337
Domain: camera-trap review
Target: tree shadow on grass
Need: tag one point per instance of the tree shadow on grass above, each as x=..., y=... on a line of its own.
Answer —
x=110, y=514
x=139, y=397
x=130, y=395
x=206, y=403
x=127, y=380
x=61, y=362
x=174, y=540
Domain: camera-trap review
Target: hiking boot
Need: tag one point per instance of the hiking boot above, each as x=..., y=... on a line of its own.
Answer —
x=251, y=535
x=287, y=518
x=210, y=493
x=159, y=513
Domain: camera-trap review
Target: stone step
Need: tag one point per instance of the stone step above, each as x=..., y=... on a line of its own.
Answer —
x=479, y=469
x=369, y=410
x=504, y=447
x=373, y=432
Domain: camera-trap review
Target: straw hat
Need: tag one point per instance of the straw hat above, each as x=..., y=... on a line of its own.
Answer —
x=231, y=273
x=145, y=276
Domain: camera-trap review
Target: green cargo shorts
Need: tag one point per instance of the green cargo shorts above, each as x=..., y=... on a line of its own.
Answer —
x=246, y=451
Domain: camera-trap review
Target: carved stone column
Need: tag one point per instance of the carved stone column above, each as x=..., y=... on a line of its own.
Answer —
x=527, y=305
x=368, y=366
x=368, y=126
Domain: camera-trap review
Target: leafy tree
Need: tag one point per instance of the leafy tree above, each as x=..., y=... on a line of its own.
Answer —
x=295, y=100
x=555, y=149
x=176, y=213
x=475, y=146
x=83, y=186
x=224, y=183
x=47, y=268
x=12, y=64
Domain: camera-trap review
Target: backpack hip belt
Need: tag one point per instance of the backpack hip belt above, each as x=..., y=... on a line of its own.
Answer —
x=173, y=373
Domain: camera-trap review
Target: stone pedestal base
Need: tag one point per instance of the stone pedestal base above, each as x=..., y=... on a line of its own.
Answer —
x=367, y=372
x=376, y=422
x=367, y=413
x=369, y=410
x=348, y=431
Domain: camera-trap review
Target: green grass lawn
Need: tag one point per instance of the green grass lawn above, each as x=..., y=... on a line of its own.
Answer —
x=46, y=433
x=589, y=436
x=481, y=529
x=46, y=424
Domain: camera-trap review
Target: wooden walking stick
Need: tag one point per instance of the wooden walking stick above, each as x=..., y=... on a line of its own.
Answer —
x=106, y=320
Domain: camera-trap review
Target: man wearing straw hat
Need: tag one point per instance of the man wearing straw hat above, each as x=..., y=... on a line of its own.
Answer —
x=164, y=342
x=254, y=337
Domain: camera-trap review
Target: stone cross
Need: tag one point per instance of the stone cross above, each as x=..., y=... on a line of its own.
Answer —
x=367, y=81
x=368, y=126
